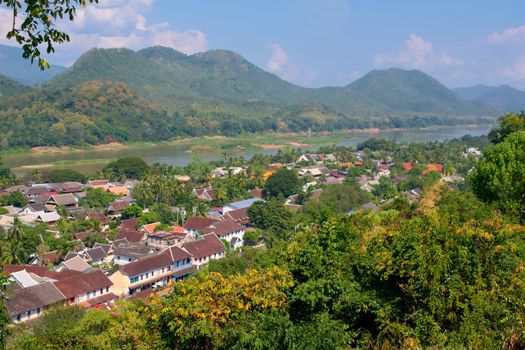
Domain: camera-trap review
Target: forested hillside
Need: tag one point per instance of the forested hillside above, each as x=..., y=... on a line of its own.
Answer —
x=159, y=94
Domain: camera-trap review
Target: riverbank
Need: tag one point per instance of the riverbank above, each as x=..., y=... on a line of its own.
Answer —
x=180, y=151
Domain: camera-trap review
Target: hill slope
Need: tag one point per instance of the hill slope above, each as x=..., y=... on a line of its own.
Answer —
x=10, y=88
x=90, y=113
x=224, y=77
x=413, y=91
x=13, y=66
x=473, y=92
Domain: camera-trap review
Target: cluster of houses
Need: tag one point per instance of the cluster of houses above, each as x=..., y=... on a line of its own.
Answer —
x=139, y=260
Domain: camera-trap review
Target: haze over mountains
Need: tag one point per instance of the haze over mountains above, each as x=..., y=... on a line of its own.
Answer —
x=215, y=92
x=502, y=98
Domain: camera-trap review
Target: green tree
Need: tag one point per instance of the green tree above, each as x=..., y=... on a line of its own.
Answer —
x=64, y=175
x=132, y=211
x=500, y=175
x=508, y=124
x=130, y=167
x=271, y=216
x=98, y=198
x=4, y=317
x=283, y=183
x=16, y=199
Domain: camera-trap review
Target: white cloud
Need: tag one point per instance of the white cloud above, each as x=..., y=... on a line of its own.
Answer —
x=280, y=64
x=517, y=71
x=278, y=60
x=510, y=34
x=418, y=53
x=115, y=23
x=6, y=20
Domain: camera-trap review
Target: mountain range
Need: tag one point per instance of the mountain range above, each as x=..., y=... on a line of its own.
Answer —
x=13, y=66
x=164, y=93
x=502, y=98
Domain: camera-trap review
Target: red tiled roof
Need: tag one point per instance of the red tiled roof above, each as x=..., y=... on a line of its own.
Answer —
x=240, y=216
x=408, y=166
x=129, y=224
x=224, y=227
x=118, y=206
x=207, y=246
x=41, y=271
x=150, y=228
x=131, y=236
x=433, y=167
x=177, y=229
x=83, y=283
x=152, y=262
x=198, y=223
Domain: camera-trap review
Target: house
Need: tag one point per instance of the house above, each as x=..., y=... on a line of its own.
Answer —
x=25, y=304
x=119, y=190
x=80, y=236
x=149, y=228
x=83, y=287
x=240, y=216
x=309, y=158
x=100, y=217
x=48, y=218
x=127, y=253
x=204, y=249
x=240, y=204
x=36, y=190
x=66, y=200
x=49, y=258
x=76, y=264
x=40, y=271
x=172, y=264
x=128, y=224
x=132, y=235
x=228, y=230
x=104, y=184
x=96, y=256
x=116, y=208
x=206, y=194
x=163, y=239
x=195, y=223
x=33, y=208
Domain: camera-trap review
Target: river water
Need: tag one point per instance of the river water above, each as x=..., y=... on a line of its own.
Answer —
x=179, y=155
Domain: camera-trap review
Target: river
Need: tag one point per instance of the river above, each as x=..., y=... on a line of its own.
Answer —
x=180, y=155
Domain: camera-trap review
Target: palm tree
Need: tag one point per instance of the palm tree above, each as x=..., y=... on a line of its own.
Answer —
x=12, y=252
x=16, y=232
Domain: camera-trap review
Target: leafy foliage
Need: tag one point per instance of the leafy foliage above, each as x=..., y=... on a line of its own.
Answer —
x=283, y=183
x=500, y=176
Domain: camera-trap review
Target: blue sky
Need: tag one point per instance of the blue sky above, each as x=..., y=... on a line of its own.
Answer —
x=322, y=42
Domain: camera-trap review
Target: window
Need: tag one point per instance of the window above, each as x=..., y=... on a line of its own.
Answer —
x=38, y=311
x=188, y=261
x=107, y=289
x=134, y=279
x=129, y=259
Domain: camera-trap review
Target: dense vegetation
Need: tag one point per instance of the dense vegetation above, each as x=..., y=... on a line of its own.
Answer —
x=446, y=272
